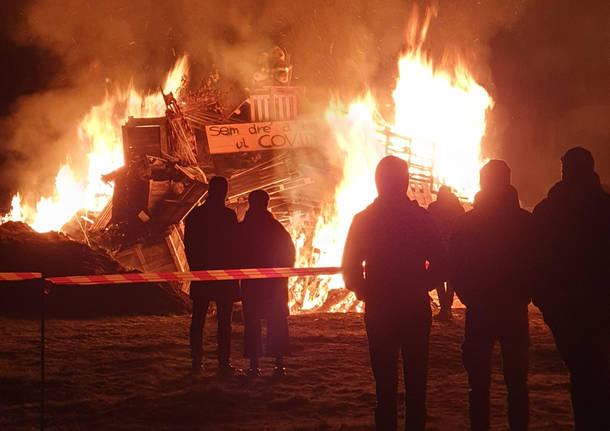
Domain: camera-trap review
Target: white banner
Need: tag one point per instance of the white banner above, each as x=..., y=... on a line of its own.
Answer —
x=273, y=135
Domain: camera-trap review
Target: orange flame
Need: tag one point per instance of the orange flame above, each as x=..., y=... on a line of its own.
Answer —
x=100, y=131
x=441, y=111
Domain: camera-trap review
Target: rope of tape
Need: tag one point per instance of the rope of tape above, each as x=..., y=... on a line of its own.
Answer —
x=18, y=276
x=209, y=275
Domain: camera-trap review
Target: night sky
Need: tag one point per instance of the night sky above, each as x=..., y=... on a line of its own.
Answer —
x=546, y=64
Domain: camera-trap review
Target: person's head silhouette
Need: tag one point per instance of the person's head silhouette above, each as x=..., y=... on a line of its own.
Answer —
x=392, y=177
x=258, y=200
x=218, y=188
x=495, y=174
x=577, y=164
x=444, y=193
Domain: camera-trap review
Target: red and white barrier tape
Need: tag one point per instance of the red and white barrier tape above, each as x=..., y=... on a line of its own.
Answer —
x=210, y=275
x=18, y=276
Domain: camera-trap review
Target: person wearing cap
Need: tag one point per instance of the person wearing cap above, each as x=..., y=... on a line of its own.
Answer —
x=573, y=226
x=393, y=256
x=445, y=210
x=265, y=244
x=492, y=272
x=209, y=243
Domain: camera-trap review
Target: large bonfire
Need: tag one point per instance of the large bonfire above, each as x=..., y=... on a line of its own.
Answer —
x=440, y=112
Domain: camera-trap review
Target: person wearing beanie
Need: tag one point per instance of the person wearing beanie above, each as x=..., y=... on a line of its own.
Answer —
x=573, y=230
x=492, y=273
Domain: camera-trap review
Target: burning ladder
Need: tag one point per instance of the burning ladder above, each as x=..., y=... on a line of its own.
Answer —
x=421, y=162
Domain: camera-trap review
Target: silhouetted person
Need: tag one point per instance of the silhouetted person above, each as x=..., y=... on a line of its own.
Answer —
x=492, y=273
x=445, y=211
x=395, y=237
x=573, y=223
x=265, y=244
x=209, y=240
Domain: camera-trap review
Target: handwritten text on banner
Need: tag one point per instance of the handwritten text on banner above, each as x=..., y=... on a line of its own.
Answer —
x=274, y=135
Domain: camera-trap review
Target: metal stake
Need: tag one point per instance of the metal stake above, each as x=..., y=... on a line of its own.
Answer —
x=43, y=285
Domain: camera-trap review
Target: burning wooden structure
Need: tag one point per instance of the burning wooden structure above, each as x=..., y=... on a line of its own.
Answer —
x=252, y=139
x=257, y=139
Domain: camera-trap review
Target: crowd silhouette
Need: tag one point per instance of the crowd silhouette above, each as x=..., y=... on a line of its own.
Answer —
x=497, y=258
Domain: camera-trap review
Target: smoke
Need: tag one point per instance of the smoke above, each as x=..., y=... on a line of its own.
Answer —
x=338, y=48
x=550, y=72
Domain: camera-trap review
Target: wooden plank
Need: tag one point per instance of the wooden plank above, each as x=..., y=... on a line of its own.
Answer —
x=174, y=246
x=158, y=191
x=103, y=218
x=141, y=257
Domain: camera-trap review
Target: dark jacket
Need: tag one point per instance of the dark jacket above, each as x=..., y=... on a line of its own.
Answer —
x=491, y=251
x=573, y=230
x=265, y=244
x=445, y=212
x=210, y=235
x=396, y=239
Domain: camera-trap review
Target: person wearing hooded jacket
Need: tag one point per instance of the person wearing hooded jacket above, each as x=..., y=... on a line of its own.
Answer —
x=492, y=272
x=266, y=244
x=393, y=256
x=209, y=243
x=573, y=227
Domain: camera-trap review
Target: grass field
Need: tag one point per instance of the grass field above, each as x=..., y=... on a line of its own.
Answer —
x=133, y=374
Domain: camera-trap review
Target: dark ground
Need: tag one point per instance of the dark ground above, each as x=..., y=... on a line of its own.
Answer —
x=132, y=373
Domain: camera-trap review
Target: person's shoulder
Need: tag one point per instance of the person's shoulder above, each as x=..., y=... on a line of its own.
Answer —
x=197, y=209
x=542, y=207
x=362, y=220
x=277, y=224
x=229, y=212
x=194, y=214
x=420, y=215
x=605, y=203
x=361, y=216
x=469, y=218
x=415, y=206
x=524, y=219
x=276, y=229
x=550, y=201
x=282, y=229
x=458, y=208
x=523, y=212
x=420, y=211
